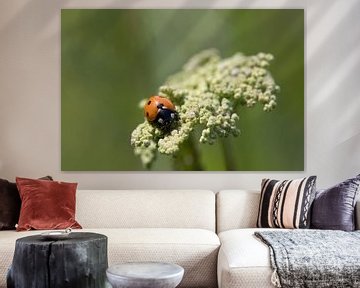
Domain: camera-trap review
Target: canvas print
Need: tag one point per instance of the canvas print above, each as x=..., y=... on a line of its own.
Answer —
x=182, y=90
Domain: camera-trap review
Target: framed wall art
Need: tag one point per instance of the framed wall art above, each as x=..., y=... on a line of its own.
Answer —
x=182, y=90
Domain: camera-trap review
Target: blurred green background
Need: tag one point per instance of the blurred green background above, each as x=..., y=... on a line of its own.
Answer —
x=111, y=59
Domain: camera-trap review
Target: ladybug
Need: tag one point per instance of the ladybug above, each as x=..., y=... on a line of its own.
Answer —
x=160, y=112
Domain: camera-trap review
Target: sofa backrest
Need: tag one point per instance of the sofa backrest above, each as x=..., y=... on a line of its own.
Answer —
x=239, y=209
x=236, y=209
x=146, y=209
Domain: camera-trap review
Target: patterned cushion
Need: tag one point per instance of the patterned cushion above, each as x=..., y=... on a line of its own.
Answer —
x=286, y=204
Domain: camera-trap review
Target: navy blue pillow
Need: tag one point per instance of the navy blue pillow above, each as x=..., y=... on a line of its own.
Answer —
x=334, y=208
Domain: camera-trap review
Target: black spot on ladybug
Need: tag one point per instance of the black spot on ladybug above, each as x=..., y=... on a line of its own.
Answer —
x=149, y=102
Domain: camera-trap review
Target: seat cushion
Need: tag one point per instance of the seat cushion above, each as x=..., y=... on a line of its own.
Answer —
x=196, y=250
x=244, y=261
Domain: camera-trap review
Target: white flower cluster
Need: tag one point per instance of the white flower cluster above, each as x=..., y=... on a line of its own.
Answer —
x=207, y=92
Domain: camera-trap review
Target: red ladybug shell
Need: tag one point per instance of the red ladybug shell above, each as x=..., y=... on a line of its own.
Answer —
x=155, y=103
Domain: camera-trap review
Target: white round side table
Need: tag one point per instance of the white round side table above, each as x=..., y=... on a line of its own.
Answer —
x=145, y=275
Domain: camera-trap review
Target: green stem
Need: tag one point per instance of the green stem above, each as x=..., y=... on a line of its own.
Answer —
x=188, y=157
x=230, y=163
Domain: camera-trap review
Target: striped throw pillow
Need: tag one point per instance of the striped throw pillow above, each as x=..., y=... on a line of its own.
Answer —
x=286, y=204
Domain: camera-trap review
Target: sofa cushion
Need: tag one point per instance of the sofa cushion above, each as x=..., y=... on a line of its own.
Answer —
x=286, y=204
x=46, y=204
x=244, y=260
x=334, y=208
x=194, y=249
x=153, y=209
x=9, y=205
x=236, y=209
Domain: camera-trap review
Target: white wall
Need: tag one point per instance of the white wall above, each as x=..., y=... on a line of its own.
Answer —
x=30, y=94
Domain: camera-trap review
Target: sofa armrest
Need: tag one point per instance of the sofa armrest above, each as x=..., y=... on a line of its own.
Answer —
x=357, y=215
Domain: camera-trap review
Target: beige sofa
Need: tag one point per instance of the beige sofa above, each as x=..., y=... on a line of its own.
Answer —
x=174, y=226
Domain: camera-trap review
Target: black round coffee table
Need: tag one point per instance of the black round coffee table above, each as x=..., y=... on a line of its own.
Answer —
x=79, y=260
